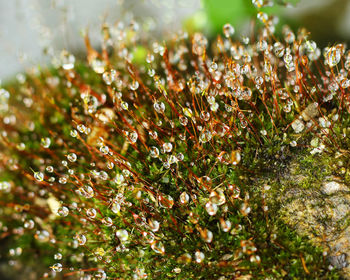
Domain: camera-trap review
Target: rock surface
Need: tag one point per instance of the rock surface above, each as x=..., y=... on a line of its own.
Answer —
x=323, y=216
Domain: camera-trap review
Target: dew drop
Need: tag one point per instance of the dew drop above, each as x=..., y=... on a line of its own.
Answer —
x=167, y=147
x=225, y=225
x=206, y=235
x=73, y=133
x=217, y=197
x=63, y=211
x=134, y=85
x=159, y=107
x=166, y=201
x=199, y=256
x=235, y=191
x=154, y=152
x=29, y=224
x=199, y=44
x=109, y=77
x=91, y=213
x=119, y=179
x=72, y=157
x=81, y=238
x=183, y=120
x=122, y=234
x=46, y=142
x=298, y=126
x=184, y=198
x=205, y=136
x=154, y=225
x=258, y=3
x=67, y=60
x=58, y=256
x=133, y=136
x=49, y=169
x=158, y=247
x=228, y=30
x=333, y=55
x=39, y=176
x=57, y=267
x=211, y=208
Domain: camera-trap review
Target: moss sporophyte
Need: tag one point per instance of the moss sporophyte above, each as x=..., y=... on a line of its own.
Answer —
x=183, y=166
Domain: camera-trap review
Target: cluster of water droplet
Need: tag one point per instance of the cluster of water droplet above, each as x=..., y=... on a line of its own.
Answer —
x=123, y=168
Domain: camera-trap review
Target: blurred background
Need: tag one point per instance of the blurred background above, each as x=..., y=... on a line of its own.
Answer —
x=29, y=28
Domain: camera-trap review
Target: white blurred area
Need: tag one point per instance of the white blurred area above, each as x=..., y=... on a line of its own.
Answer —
x=28, y=27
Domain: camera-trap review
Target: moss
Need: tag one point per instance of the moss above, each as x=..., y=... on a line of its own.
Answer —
x=183, y=173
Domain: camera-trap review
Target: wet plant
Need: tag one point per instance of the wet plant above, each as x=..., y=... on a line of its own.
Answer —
x=121, y=167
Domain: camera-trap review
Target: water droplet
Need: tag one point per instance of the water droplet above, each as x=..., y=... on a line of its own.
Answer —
x=206, y=235
x=67, y=60
x=153, y=134
x=205, y=116
x=91, y=213
x=235, y=191
x=159, y=107
x=258, y=3
x=104, y=149
x=87, y=191
x=298, y=126
x=205, y=136
x=73, y=133
x=187, y=112
x=122, y=234
x=134, y=85
x=5, y=186
x=184, y=198
x=119, y=179
x=154, y=225
x=199, y=256
x=149, y=58
x=217, y=197
x=228, y=30
x=235, y=157
x=109, y=77
x=49, y=169
x=63, y=180
x=58, y=256
x=199, y=44
x=225, y=225
x=63, y=211
x=166, y=201
x=124, y=105
x=183, y=120
x=81, y=238
x=167, y=147
x=154, y=152
x=133, y=136
x=245, y=209
x=263, y=17
x=98, y=66
x=158, y=247
x=345, y=83
x=46, y=142
x=116, y=208
x=29, y=224
x=211, y=208
x=333, y=55
x=278, y=49
x=39, y=176
x=72, y=157
x=57, y=267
